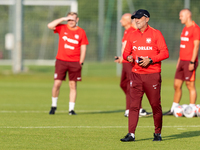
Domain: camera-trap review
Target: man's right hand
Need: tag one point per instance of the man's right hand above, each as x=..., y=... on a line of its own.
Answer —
x=130, y=58
x=69, y=18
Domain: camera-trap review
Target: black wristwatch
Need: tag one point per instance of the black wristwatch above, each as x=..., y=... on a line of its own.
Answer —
x=82, y=64
x=191, y=62
x=151, y=61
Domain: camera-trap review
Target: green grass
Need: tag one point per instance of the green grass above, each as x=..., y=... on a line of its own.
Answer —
x=25, y=101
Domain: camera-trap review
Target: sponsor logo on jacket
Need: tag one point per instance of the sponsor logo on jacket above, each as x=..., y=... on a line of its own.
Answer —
x=142, y=48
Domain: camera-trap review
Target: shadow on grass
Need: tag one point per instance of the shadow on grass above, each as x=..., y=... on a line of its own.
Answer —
x=100, y=112
x=109, y=112
x=187, y=134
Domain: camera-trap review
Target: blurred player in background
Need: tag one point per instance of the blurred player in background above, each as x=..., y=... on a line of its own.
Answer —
x=187, y=61
x=70, y=57
x=129, y=26
x=147, y=48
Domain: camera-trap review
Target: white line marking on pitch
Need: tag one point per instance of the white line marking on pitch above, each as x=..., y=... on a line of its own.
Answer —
x=91, y=127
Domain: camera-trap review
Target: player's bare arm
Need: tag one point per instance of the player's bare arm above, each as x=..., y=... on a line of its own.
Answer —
x=122, y=51
x=177, y=62
x=194, y=55
x=52, y=25
x=83, y=53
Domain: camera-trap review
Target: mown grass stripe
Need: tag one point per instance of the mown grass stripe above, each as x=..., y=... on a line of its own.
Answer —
x=92, y=127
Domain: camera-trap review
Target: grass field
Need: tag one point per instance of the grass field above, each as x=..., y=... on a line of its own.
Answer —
x=25, y=100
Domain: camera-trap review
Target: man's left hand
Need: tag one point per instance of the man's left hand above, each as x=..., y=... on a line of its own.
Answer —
x=144, y=62
x=191, y=67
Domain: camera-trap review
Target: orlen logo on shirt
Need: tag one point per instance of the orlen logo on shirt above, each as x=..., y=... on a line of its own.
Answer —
x=142, y=48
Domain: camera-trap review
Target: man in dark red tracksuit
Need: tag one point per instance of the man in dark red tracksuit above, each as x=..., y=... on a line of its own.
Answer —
x=147, y=48
x=126, y=22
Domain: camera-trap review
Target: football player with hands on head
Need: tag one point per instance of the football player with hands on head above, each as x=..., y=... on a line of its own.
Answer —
x=187, y=61
x=129, y=26
x=70, y=57
x=146, y=48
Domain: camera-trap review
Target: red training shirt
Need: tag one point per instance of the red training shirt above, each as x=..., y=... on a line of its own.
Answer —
x=126, y=33
x=150, y=44
x=188, y=35
x=70, y=41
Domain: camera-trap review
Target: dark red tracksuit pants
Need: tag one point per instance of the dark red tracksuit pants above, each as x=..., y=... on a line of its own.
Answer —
x=150, y=84
x=125, y=81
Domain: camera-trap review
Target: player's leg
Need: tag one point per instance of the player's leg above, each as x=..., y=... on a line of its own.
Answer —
x=72, y=95
x=177, y=95
x=123, y=81
x=178, y=82
x=128, y=99
x=56, y=88
x=192, y=91
x=123, y=84
x=59, y=76
x=136, y=93
x=74, y=76
x=189, y=77
x=190, y=83
x=136, y=98
x=152, y=88
x=55, y=93
x=177, y=90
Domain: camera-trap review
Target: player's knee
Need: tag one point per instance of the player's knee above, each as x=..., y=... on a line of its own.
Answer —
x=177, y=86
x=72, y=85
x=56, y=86
x=190, y=85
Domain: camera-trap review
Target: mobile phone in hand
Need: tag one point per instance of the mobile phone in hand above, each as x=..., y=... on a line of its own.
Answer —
x=116, y=58
x=139, y=59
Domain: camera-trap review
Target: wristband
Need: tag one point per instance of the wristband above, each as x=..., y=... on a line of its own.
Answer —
x=82, y=64
x=151, y=61
x=127, y=58
x=191, y=62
